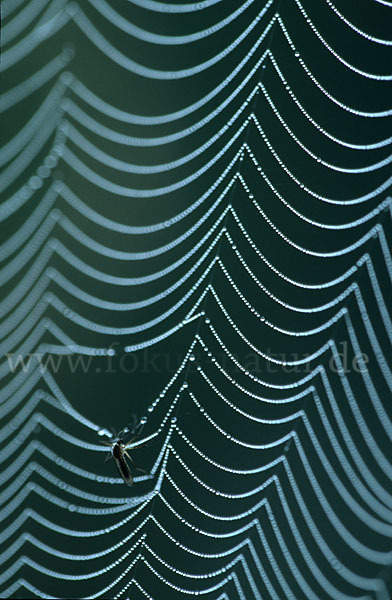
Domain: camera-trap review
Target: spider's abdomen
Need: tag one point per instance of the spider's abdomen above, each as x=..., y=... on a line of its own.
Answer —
x=117, y=450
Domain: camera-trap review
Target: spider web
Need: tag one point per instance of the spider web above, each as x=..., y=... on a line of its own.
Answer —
x=196, y=231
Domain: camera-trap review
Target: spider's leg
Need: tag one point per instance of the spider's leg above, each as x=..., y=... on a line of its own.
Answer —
x=127, y=445
x=135, y=425
x=134, y=447
x=140, y=427
x=109, y=454
x=130, y=458
x=123, y=432
x=132, y=423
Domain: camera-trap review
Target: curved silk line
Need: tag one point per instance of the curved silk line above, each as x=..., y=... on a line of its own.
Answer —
x=86, y=26
x=130, y=29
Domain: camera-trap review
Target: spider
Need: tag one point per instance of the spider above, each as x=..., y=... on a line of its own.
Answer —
x=119, y=452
